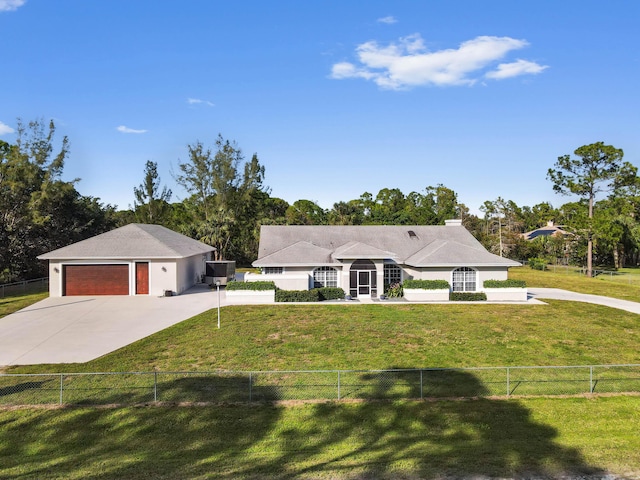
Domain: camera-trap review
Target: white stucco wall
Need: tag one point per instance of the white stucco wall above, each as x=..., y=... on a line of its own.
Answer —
x=491, y=274
x=176, y=275
x=284, y=281
x=189, y=271
x=163, y=276
x=446, y=273
x=55, y=279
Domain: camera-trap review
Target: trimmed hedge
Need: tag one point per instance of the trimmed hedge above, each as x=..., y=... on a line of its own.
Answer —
x=254, y=286
x=505, y=283
x=331, y=293
x=313, y=295
x=298, y=295
x=467, y=296
x=426, y=284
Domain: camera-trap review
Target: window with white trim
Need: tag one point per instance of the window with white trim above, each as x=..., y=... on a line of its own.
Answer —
x=273, y=270
x=392, y=274
x=464, y=280
x=325, y=277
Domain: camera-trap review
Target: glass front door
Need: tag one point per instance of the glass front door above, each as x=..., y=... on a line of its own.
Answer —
x=363, y=279
x=364, y=283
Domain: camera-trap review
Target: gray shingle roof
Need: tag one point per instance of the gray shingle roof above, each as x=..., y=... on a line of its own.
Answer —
x=135, y=241
x=428, y=246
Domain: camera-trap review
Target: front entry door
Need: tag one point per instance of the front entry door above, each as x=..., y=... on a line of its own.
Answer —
x=364, y=283
x=363, y=279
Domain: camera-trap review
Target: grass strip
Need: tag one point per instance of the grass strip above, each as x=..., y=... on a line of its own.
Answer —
x=540, y=437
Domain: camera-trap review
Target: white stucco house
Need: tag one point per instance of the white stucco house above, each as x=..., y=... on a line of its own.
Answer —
x=363, y=259
x=136, y=259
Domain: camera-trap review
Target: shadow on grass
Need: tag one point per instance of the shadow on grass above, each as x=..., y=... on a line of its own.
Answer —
x=458, y=438
x=376, y=439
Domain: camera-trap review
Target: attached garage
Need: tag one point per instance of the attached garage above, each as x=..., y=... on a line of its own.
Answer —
x=137, y=259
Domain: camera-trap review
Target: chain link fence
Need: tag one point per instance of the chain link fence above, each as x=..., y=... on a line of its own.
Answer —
x=37, y=285
x=130, y=388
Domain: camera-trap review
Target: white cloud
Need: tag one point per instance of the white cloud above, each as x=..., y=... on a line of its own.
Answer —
x=408, y=63
x=4, y=129
x=388, y=20
x=124, y=129
x=519, y=67
x=198, y=101
x=10, y=5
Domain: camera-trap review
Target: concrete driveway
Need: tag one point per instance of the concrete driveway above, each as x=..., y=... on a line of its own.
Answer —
x=79, y=329
x=558, y=294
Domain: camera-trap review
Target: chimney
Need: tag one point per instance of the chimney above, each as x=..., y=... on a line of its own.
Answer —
x=453, y=223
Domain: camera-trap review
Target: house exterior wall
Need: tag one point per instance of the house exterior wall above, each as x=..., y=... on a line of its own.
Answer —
x=446, y=273
x=285, y=281
x=491, y=274
x=301, y=278
x=55, y=279
x=163, y=276
x=176, y=275
x=190, y=270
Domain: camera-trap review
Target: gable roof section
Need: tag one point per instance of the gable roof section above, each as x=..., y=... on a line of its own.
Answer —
x=290, y=255
x=443, y=253
x=356, y=250
x=135, y=241
x=425, y=246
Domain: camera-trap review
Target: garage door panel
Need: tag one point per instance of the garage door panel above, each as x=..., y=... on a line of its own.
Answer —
x=96, y=280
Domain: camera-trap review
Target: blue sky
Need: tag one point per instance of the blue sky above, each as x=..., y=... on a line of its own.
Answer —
x=336, y=97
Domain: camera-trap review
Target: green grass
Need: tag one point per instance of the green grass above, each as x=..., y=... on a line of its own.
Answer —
x=12, y=304
x=387, y=440
x=569, y=279
x=544, y=437
x=309, y=337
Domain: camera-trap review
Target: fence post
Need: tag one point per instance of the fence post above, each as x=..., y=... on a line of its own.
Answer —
x=155, y=386
x=338, y=384
x=250, y=386
x=591, y=379
x=508, y=383
x=421, y=395
x=61, y=386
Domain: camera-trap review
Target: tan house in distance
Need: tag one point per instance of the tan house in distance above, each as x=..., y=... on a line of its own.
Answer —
x=550, y=230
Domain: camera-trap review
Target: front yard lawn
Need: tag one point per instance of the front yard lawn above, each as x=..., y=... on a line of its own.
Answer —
x=310, y=337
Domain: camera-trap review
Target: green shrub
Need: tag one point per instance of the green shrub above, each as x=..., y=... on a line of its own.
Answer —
x=467, y=296
x=426, y=284
x=504, y=283
x=394, y=290
x=538, y=263
x=254, y=286
x=313, y=295
x=298, y=295
x=331, y=293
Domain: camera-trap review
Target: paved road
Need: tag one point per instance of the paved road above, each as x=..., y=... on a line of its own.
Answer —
x=79, y=329
x=558, y=294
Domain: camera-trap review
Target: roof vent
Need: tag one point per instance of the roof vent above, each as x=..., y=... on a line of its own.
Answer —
x=453, y=223
x=412, y=234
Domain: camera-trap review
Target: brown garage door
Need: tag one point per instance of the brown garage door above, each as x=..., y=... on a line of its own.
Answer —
x=96, y=280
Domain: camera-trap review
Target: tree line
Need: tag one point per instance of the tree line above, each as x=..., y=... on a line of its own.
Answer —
x=228, y=201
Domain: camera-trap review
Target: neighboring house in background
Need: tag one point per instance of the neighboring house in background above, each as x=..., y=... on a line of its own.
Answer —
x=363, y=259
x=136, y=259
x=550, y=230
